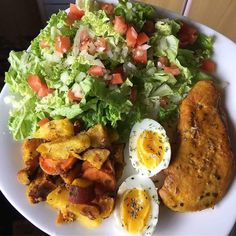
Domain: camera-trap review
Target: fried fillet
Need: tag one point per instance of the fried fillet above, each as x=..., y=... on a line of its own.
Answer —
x=203, y=166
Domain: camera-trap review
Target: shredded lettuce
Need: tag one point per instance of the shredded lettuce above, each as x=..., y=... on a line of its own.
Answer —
x=100, y=101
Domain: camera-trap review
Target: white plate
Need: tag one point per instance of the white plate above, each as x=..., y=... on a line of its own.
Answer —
x=217, y=221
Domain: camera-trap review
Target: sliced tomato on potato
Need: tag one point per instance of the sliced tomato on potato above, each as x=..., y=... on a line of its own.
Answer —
x=56, y=167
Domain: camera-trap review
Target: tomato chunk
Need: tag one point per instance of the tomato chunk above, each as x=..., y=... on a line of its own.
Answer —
x=43, y=121
x=209, y=66
x=142, y=38
x=96, y=71
x=62, y=44
x=108, y=8
x=140, y=55
x=173, y=69
x=38, y=86
x=119, y=25
x=131, y=37
x=74, y=14
x=187, y=35
x=72, y=96
x=116, y=79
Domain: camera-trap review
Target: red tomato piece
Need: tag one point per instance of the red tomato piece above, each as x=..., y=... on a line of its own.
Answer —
x=72, y=96
x=142, y=38
x=34, y=82
x=162, y=62
x=140, y=55
x=96, y=71
x=108, y=8
x=173, y=69
x=43, y=121
x=119, y=25
x=62, y=44
x=76, y=12
x=38, y=86
x=131, y=37
x=43, y=44
x=209, y=66
x=133, y=94
x=187, y=35
x=116, y=79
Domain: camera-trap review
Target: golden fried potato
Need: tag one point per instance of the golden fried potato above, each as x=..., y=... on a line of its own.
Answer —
x=106, y=205
x=82, y=212
x=72, y=174
x=65, y=148
x=29, y=149
x=96, y=156
x=99, y=136
x=55, y=129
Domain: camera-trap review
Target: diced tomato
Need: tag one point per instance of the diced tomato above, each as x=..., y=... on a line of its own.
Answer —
x=163, y=101
x=142, y=38
x=187, y=35
x=74, y=14
x=119, y=25
x=72, y=96
x=116, y=79
x=162, y=62
x=108, y=8
x=101, y=44
x=62, y=44
x=133, y=94
x=96, y=71
x=173, y=69
x=131, y=37
x=38, y=86
x=56, y=167
x=43, y=121
x=43, y=44
x=209, y=66
x=148, y=27
x=140, y=55
x=75, y=11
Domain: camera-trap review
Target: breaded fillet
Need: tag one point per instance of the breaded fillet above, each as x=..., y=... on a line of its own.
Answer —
x=203, y=166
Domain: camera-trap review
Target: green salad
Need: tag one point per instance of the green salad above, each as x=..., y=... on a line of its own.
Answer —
x=107, y=64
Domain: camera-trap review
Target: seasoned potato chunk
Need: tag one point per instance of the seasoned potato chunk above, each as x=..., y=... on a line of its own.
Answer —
x=39, y=188
x=65, y=148
x=106, y=205
x=72, y=174
x=99, y=136
x=29, y=149
x=88, y=215
x=55, y=129
x=96, y=156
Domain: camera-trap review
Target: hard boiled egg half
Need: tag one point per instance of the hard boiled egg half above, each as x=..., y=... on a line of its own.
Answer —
x=149, y=147
x=137, y=206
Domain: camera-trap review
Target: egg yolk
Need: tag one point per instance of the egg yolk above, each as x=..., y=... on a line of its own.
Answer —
x=135, y=210
x=150, y=149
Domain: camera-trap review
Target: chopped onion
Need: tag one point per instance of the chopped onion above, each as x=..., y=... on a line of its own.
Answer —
x=77, y=90
x=145, y=46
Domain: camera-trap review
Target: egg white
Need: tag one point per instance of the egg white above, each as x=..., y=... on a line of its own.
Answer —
x=138, y=182
x=138, y=128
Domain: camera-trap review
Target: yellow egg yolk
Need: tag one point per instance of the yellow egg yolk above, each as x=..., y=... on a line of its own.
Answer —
x=150, y=149
x=135, y=210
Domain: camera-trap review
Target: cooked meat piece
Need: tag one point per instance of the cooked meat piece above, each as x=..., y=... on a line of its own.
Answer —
x=203, y=166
